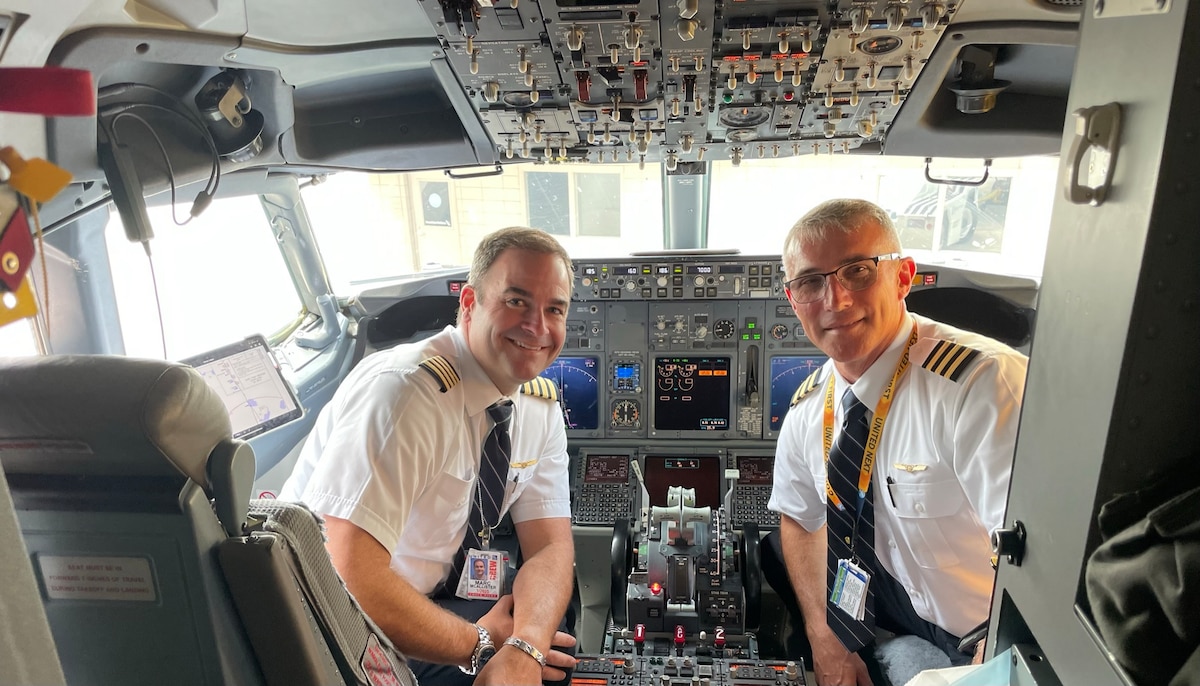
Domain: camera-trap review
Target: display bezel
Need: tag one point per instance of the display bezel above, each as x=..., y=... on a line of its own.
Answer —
x=256, y=344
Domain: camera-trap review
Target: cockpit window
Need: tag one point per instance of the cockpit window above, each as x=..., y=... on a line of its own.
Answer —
x=376, y=228
x=17, y=339
x=373, y=229
x=219, y=278
x=999, y=227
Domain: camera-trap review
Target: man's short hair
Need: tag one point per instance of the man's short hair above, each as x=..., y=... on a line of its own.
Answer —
x=520, y=238
x=843, y=214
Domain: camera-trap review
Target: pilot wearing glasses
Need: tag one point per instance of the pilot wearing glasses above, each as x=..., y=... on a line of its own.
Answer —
x=914, y=422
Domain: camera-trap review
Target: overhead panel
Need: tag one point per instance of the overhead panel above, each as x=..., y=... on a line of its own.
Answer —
x=687, y=80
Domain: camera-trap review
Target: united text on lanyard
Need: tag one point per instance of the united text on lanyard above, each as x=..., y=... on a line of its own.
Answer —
x=880, y=417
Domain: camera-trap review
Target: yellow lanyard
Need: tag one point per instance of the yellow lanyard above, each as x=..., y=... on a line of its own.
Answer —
x=881, y=413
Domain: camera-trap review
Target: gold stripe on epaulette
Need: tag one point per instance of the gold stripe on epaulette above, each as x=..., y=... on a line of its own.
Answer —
x=541, y=387
x=441, y=369
x=949, y=359
x=806, y=387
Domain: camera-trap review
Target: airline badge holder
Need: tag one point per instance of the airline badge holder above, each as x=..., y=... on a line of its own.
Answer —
x=850, y=589
x=484, y=575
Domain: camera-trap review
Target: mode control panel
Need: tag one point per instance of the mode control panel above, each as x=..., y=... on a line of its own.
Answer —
x=693, y=278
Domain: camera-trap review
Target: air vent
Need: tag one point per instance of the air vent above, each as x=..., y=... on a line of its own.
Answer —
x=1060, y=4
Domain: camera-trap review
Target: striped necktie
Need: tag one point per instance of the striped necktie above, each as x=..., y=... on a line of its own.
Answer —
x=845, y=465
x=489, y=494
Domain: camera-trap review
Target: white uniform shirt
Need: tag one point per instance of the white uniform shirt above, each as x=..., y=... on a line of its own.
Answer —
x=941, y=476
x=399, y=458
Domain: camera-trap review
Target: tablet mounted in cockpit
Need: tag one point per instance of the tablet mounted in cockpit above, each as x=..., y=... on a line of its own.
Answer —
x=246, y=377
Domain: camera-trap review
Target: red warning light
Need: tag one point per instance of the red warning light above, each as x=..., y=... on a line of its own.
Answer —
x=656, y=588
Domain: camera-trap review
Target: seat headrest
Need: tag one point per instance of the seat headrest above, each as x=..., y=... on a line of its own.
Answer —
x=974, y=310
x=107, y=415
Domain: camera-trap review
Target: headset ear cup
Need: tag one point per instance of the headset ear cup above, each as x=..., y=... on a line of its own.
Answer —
x=622, y=563
x=750, y=561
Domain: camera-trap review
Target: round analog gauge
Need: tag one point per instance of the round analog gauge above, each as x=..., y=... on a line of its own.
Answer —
x=626, y=413
x=743, y=116
x=741, y=135
x=723, y=328
x=517, y=99
x=779, y=332
x=798, y=330
x=879, y=46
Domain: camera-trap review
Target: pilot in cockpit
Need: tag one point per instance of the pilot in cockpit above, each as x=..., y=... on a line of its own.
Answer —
x=915, y=424
x=423, y=450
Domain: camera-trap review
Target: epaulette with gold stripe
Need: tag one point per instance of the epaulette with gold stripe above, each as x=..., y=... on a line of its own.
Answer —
x=441, y=369
x=541, y=387
x=949, y=359
x=806, y=387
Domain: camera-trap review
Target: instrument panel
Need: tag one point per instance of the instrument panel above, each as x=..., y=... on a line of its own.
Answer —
x=610, y=81
x=694, y=347
x=711, y=667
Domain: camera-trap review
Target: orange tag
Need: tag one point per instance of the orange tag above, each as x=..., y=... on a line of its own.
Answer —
x=18, y=305
x=36, y=179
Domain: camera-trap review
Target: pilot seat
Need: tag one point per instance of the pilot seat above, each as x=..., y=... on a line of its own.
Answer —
x=153, y=565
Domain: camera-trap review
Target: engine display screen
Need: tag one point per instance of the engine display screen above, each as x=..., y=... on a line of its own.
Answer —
x=787, y=373
x=700, y=472
x=755, y=469
x=691, y=393
x=606, y=469
x=579, y=390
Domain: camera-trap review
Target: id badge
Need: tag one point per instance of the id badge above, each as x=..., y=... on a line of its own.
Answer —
x=849, y=592
x=483, y=575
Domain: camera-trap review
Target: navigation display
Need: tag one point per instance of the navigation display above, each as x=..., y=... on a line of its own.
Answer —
x=787, y=373
x=606, y=469
x=757, y=469
x=691, y=393
x=701, y=472
x=579, y=390
x=245, y=376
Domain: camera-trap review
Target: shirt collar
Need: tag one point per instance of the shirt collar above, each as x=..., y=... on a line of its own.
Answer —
x=478, y=390
x=870, y=385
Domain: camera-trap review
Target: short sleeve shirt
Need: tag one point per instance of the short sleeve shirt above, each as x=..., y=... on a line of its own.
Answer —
x=941, y=476
x=398, y=456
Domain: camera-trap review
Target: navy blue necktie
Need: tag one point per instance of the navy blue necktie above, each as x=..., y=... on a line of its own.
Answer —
x=845, y=465
x=489, y=494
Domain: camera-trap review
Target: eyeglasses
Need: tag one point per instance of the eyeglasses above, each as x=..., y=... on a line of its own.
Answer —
x=854, y=276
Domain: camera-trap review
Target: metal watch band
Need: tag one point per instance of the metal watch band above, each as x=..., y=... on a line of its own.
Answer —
x=527, y=648
x=485, y=641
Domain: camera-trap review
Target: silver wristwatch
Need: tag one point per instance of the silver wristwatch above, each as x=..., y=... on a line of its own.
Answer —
x=484, y=650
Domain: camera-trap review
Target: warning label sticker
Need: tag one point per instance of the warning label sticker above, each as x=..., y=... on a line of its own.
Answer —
x=97, y=578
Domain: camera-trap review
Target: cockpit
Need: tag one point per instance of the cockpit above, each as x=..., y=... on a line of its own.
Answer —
x=270, y=192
